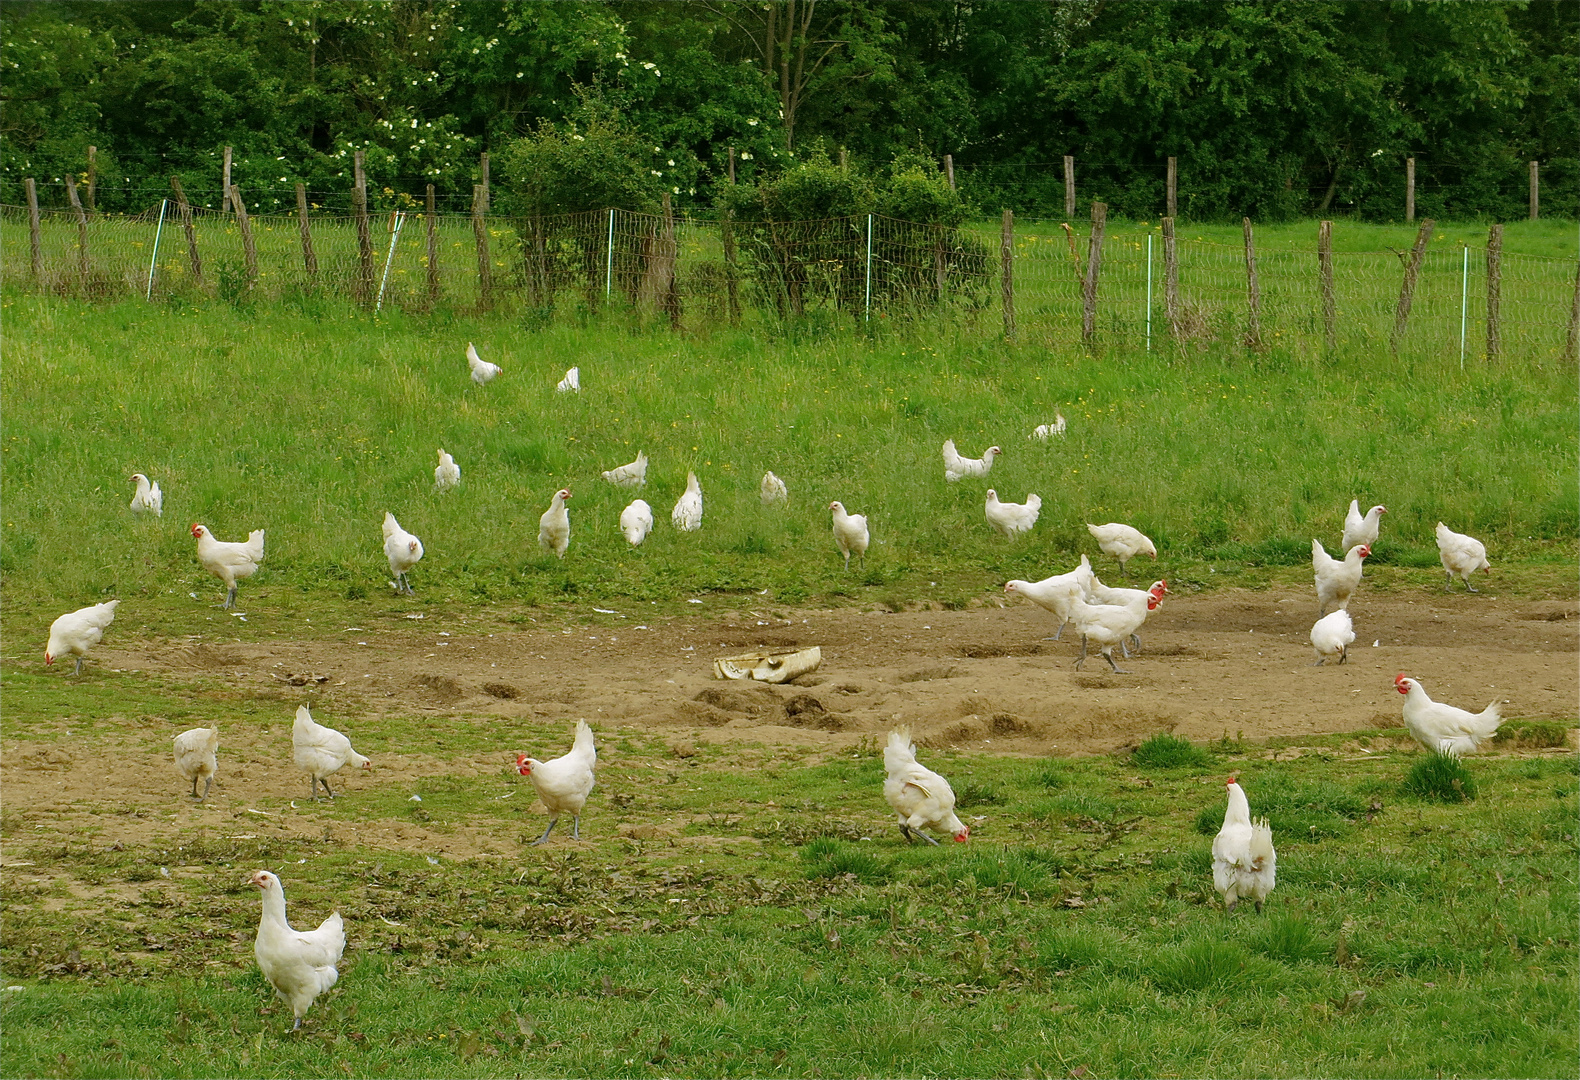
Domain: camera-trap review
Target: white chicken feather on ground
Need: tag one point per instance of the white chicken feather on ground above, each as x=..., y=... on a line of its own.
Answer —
x=687, y=514
x=75, y=632
x=772, y=490
x=956, y=467
x=448, y=473
x=850, y=533
x=1332, y=636
x=1445, y=728
x=1055, y=594
x=571, y=383
x=1107, y=625
x=1244, y=864
x=1336, y=580
x=563, y=783
x=636, y=521
x=554, y=526
x=1122, y=542
x=1361, y=528
x=230, y=561
x=921, y=798
x=1012, y=519
x=1462, y=555
x=631, y=475
x=403, y=550
x=321, y=751
x=148, y=499
x=482, y=370
x=299, y=964
x=196, y=753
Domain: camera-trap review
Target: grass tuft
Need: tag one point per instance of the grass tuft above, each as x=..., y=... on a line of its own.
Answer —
x=830, y=858
x=1198, y=966
x=1441, y=777
x=1164, y=751
x=1291, y=939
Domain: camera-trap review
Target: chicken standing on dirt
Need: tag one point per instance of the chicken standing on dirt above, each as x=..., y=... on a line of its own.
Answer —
x=448, y=474
x=75, y=632
x=482, y=370
x=196, y=757
x=850, y=533
x=920, y=797
x=1462, y=555
x=636, y=521
x=1445, y=729
x=1098, y=593
x=956, y=466
x=403, y=550
x=1012, y=519
x=1359, y=528
x=554, y=527
x=229, y=560
x=148, y=499
x=563, y=783
x=1122, y=542
x=1055, y=594
x=1244, y=863
x=1336, y=580
x=1331, y=636
x=299, y=964
x=321, y=751
x=1109, y=625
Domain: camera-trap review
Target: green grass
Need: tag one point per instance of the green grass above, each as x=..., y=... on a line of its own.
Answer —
x=1441, y=776
x=1165, y=751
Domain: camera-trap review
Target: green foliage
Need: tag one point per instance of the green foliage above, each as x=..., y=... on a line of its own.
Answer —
x=1441, y=777
x=590, y=162
x=831, y=858
x=1201, y=965
x=1165, y=751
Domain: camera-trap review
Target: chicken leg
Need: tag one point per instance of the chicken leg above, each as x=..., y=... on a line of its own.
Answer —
x=1108, y=654
x=78, y=669
x=553, y=821
x=208, y=782
x=1447, y=587
x=315, y=781
x=230, y=597
x=910, y=834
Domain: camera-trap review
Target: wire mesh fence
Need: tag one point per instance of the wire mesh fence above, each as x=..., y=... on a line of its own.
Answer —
x=695, y=273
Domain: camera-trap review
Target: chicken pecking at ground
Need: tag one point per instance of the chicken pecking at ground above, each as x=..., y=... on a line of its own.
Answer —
x=956, y=466
x=230, y=561
x=321, y=751
x=772, y=490
x=1444, y=728
x=196, y=756
x=1462, y=555
x=1055, y=594
x=148, y=499
x=1332, y=635
x=554, y=527
x=1244, y=863
x=687, y=514
x=1122, y=542
x=850, y=533
x=403, y=550
x=1336, y=580
x=75, y=632
x=1012, y=519
x=921, y=798
x=1361, y=528
x=448, y=474
x=636, y=521
x=631, y=475
x=482, y=370
x=299, y=964
x=563, y=783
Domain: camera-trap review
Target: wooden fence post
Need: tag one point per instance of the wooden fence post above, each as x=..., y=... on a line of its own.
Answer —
x=669, y=259
x=1006, y=258
x=1253, y=291
x=949, y=170
x=1094, y=265
x=1172, y=181
x=224, y=184
x=1535, y=192
x=82, y=231
x=730, y=288
x=844, y=158
x=1325, y=271
x=1069, y=186
x=1401, y=317
x=1494, y=292
x=249, y=250
x=432, y=219
x=1409, y=189
x=485, y=270
x=309, y=259
x=359, y=211
x=1572, y=346
x=732, y=165
x=1171, y=279
x=185, y=209
x=33, y=232
x=482, y=164
x=93, y=179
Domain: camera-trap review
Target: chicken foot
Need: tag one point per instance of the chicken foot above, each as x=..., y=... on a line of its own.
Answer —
x=910, y=834
x=553, y=821
x=230, y=598
x=208, y=782
x=1107, y=654
x=313, y=781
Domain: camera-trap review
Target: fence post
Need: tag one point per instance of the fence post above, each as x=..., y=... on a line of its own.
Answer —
x=1494, y=292
x=1409, y=189
x=1171, y=279
x=1172, y=180
x=1094, y=265
x=359, y=212
x=608, y=269
x=1069, y=186
x=1325, y=272
x=82, y=231
x=949, y=170
x=1572, y=346
x=868, y=316
x=309, y=260
x=1006, y=258
x=224, y=184
x=153, y=260
x=93, y=179
x=185, y=209
x=727, y=228
x=485, y=269
x=668, y=258
x=433, y=248
x=1149, y=291
x=249, y=250
x=1535, y=194
x=1464, y=301
x=1253, y=291
x=1401, y=317
x=33, y=232
x=732, y=165
x=482, y=166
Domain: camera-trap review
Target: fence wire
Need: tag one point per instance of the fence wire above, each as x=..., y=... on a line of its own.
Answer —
x=697, y=273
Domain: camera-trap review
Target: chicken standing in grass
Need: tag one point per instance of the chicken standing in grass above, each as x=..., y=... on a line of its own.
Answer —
x=482, y=370
x=299, y=964
x=1055, y=594
x=1443, y=728
x=687, y=514
x=196, y=756
x=1244, y=863
x=1336, y=580
x=1462, y=555
x=850, y=533
x=1361, y=528
x=563, y=783
x=321, y=751
x=1331, y=636
x=148, y=498
x=772, y=490
x=631, y=475
x=636, y=521
x=921, y=798
x=1122, y=542
x=229, y=561
x=403, y=550
x=956, y=466
x=75, y=632
x=1012, y=519
x=554, y=527
x=571, y=383
x=1046, y=431
x=448, y=474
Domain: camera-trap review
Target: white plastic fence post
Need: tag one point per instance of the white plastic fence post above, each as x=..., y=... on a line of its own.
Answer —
x=1464, y=303
x=869, y=269
x=400, y=219
x=163, y=204
x=1149, y=292
x=608, y=274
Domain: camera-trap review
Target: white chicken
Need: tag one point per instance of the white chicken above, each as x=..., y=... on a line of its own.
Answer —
x=403, y=550
x=772, y=490
x=1331, y=636
x=1012, y=519
x=1055, y=594
x=572, y=383
x=75, y=632
x=956, y=466
x=482, y=370
x=196, y=756
x=299, y=964
x=1444, y=728
x=1359, y=528
x=687, y=514
x=850, y=533
x=636, y=521
x=1122, y=542
x=1336, y=581
x=920, y=797
x=1098, y=593
x=448, y=474
x=321, y=751
x=1244, y=863
x=229, y=560
x=554, y=526
x=1108, y=625
x=148, y=498
x=1046, y=431
x=563, y=783
x=1462, y=555
x=632, y=475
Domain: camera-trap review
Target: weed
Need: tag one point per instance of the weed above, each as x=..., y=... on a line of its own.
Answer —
x=1164, y=751
x=829, y=858
x=1441, y=777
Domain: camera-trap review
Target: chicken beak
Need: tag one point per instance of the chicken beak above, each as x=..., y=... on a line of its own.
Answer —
x=48, y=659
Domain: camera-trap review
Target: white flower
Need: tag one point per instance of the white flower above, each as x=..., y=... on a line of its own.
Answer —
x=649, y=65
x=746, y=155
x=752, y=121
x=655, y=172
x=414, y=123
x=672, y=161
